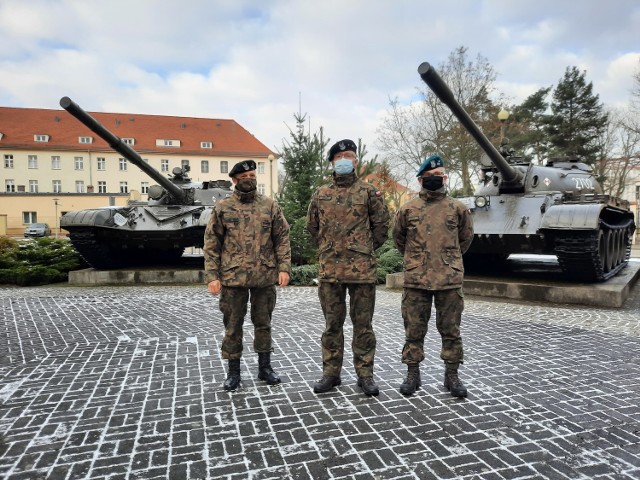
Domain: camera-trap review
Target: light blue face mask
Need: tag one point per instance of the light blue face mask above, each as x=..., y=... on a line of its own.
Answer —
x=343, y=166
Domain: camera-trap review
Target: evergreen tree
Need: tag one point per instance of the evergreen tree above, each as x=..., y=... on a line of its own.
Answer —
x=577, y=118
x=527, y=126
x=305, y=166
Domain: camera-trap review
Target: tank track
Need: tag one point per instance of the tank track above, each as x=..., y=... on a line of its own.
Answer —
x=103, y=257
x=594, y=255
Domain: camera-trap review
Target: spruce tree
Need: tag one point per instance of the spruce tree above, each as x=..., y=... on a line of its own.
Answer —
x=577, y=118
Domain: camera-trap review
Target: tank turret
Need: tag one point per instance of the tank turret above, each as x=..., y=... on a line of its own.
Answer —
x=558, y=208
x=142, y=233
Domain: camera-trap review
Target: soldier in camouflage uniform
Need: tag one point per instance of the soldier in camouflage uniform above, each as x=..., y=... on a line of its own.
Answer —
x=432, y=232
x=246, y=253
x=347, y=220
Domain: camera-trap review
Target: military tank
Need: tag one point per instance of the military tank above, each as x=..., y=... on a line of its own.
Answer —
x=142, y=233
x=555, y=209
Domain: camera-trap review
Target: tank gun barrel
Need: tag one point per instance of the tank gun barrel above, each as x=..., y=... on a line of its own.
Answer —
x=510, y=175
x=119, y=146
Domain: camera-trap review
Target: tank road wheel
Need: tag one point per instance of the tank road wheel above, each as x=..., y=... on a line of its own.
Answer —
x=603, y=250
x=623, y=246
x=617, y=235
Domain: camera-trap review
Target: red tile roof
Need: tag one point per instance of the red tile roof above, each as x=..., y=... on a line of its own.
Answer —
x=19, y=125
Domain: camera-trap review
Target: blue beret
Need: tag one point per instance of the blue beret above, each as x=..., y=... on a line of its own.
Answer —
x=243, y=166
x=434, y=161
x=341, y=146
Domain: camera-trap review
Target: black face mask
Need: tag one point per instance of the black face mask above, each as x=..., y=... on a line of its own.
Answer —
x=433, y=182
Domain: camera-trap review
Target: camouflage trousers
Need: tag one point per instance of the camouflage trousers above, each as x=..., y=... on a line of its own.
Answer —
x=416, y=311
x=233, y=305
x=362, y=297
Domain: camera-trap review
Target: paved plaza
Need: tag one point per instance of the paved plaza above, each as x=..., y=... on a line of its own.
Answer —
x=126, y=383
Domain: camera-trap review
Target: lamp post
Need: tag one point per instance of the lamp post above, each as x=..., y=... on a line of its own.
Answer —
x=271, y=158
x=503, y=115
x=55, y=202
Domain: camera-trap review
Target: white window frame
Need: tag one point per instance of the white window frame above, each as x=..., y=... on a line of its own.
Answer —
x=29, y=217
x=184, y=163
x=9, y=185
x=56, y=186
x=101, y=163
x=40, y=138
x=78, y=163
x=224, y=166
x=8, y=161
x=124, y=187
x=144, y=187
x=85, y=140
x=206, y=144
x=260, y=168
x=122, y=164
x=164, y=165
x=129, y=141
x=56, y=163
x=261, y=188
x=204, y=166
x=32, y=161
x=80, y=186
x=33, y=186
x=102, y=186
x=167, y=142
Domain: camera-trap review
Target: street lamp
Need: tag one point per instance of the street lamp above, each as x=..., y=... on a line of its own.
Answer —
x=503, y=115
x=271, y=158
x=55, y=202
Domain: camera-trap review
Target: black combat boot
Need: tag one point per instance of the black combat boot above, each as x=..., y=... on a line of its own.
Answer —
x=265, y=372
x=233, y=377
x=368, y=386
x=412, y=382
x=452, y=382
x=326, y=383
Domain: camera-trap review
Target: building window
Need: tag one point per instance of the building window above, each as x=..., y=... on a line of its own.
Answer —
x=161, y=142
x=164, y=165
x=41, y=138
x=204, y=166
x=144, y=187
x=55, y=162
x=124, y=188
x=10, y=185
x=260, y=167
x=79, y=186
x=29, y=217
x=86, y=139
x=206, y=145
x=123, y=164
x=78, y=163
x=224, y=166
x=185, y=164
x=261, y=188
x=102, y=163
x=33, y=186
x=33, y=161
x=102, y=186
x=57, y=186
x=128, y=141
x=8, y=161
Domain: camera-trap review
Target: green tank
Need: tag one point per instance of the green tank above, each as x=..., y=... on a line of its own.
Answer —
x=142, y=233
x=556, y=209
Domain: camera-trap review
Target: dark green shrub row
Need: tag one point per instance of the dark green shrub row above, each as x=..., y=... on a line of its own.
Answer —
x=36, y=261
x=389, y=261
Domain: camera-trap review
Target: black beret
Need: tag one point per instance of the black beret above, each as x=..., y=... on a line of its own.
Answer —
x=243, y=166
x=434, y=161
x=342, y=146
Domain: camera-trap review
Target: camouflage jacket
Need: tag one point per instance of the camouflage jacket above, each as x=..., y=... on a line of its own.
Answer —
x=246, y=243
x=432, y=232
x=347, y=220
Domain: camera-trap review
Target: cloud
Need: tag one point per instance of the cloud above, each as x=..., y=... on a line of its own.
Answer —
x=259, y=62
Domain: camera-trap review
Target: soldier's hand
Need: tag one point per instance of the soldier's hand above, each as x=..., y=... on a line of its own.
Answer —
x=214, y=287
x=283, y=279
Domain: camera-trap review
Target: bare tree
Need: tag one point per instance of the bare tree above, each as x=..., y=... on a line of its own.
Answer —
x=411, y=132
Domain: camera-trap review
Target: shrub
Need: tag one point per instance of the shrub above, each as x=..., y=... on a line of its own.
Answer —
x=304, y=275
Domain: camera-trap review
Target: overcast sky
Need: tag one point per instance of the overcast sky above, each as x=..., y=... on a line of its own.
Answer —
x=252, y=61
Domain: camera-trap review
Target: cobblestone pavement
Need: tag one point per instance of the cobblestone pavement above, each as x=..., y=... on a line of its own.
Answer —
x=126, y=383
